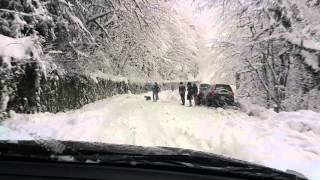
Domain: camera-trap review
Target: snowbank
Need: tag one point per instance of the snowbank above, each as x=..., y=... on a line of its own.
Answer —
x=11, y=49
x=288, y=140
x=311, y=59
x=19, y=48
x=252, y=109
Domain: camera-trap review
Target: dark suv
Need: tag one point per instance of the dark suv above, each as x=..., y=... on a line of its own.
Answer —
x=220, y=95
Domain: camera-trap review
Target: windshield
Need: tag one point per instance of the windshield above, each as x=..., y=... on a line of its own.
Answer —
x=139, y=72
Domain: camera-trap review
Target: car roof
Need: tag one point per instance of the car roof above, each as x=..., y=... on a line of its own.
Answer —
x=221, y=85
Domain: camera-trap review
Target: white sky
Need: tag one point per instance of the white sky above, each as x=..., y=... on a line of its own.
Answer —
x=202, y=20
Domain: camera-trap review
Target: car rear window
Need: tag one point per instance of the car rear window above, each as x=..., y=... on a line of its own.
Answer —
x=223, y=86
x=204, y=86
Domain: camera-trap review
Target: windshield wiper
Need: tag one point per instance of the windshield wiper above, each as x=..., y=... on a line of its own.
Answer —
x=189, y=163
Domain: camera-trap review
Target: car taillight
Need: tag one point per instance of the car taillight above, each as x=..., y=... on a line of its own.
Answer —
x=212, y=93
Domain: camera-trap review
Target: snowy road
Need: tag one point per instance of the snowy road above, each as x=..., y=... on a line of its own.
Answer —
x=283, y=141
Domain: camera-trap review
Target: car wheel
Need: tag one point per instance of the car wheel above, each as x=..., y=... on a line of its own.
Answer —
x=209, y=103
x=218, y=103
x=232, y=103
x=224, y=104
x=204, y=102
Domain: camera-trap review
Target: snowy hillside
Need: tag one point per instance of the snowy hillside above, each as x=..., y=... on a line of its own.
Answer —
x=283, y=141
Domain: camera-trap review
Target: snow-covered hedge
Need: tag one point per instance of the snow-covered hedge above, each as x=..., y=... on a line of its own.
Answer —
x=29, y=93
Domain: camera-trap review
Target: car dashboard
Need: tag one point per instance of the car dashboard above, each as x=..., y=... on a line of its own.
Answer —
x=20, y=170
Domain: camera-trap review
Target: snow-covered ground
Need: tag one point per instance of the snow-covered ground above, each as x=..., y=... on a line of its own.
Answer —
x=283, y=141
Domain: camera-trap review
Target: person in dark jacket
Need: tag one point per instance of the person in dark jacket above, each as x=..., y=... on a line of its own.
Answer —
x=190, y=93
x=155, y=92
x=182, y=92
x=195, y=94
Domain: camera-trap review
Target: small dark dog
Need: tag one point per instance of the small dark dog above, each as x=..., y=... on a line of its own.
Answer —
x=148, y=98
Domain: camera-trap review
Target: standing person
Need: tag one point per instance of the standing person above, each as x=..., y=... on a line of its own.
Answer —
x=195, y=94
x=155, y=92
x=182, y=92
x=190, y=93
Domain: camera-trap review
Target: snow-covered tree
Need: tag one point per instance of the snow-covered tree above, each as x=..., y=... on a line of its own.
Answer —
x=130, y=38
x=133, y=39
x=272, y=43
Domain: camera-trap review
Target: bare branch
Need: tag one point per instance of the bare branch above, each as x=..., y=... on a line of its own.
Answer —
x=98, y=16
x=20, y=13
x=262, y=82
x=102, y=28
x=137, y=5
